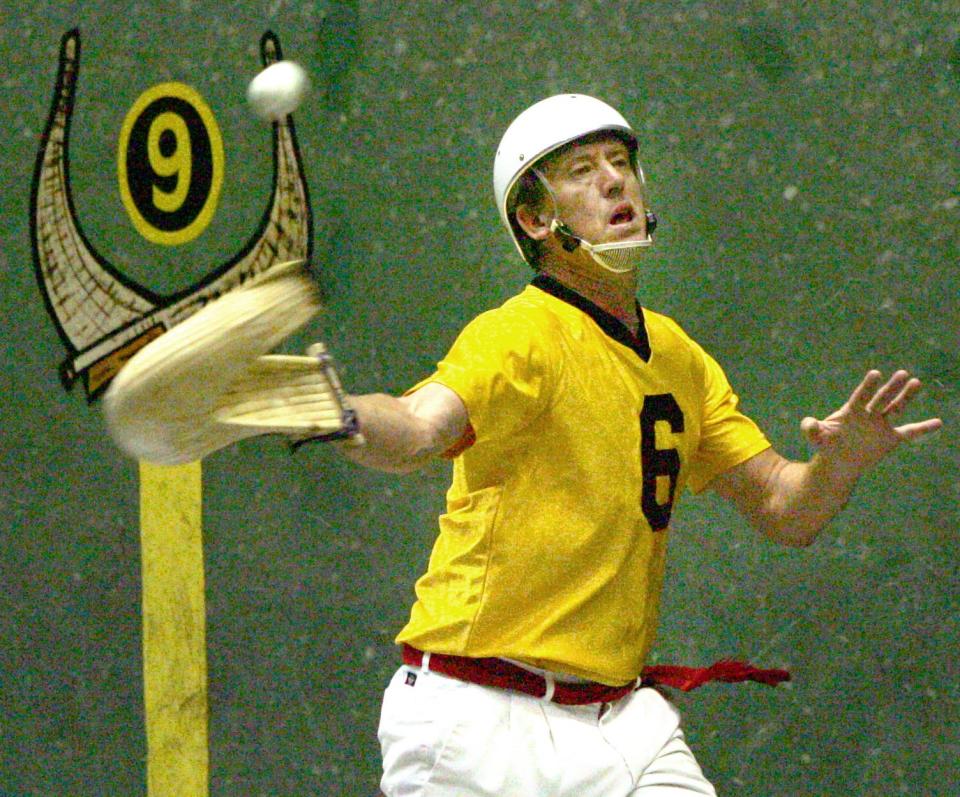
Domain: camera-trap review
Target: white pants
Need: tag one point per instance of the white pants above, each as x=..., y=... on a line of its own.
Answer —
x=446, y=738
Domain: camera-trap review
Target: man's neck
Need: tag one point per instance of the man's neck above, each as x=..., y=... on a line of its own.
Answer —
x=614, y=293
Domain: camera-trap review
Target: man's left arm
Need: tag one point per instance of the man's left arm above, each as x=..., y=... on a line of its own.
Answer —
x=791, y=502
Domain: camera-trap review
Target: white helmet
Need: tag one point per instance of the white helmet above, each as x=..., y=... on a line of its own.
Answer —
x=538, y=131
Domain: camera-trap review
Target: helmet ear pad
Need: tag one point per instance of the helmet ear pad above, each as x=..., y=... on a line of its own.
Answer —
x=651, y=222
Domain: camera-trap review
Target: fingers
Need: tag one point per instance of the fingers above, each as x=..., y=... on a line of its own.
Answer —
x=895, y=390
x=908, y=390
x=889, y=399
x=872, y=405
x=912, y=431
x=866, y=389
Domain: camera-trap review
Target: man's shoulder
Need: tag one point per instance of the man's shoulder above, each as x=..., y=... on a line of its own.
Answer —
x=516, y=323
x=665, y=329
x=528, y=308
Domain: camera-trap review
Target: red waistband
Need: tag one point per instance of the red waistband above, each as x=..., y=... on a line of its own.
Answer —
x=504, y=675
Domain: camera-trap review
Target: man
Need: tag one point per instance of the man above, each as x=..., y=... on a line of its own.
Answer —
x=575, y=418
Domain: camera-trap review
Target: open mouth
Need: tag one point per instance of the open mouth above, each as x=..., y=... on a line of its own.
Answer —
x=622, y=214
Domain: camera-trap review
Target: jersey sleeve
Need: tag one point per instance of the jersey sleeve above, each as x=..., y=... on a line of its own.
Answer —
x=727, y=436
x=498, y=368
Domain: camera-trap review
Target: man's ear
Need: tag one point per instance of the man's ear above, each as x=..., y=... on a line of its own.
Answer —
x=535, y=224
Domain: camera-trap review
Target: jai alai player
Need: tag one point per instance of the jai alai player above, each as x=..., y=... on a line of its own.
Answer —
x=575, y=418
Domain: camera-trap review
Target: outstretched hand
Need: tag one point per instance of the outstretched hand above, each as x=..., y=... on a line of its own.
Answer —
x=862, y=431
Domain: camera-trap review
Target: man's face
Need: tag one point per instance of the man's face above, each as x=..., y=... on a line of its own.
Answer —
x=598, y=194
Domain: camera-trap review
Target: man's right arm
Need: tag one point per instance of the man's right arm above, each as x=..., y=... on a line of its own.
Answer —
x=403, y=434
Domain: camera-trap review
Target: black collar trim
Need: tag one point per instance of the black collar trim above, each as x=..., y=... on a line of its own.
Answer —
x=612, y=326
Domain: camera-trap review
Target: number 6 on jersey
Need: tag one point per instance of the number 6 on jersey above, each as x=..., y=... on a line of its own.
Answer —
x=658, y=463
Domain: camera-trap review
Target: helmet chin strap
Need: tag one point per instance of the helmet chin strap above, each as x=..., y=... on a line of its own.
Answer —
x=619, y=257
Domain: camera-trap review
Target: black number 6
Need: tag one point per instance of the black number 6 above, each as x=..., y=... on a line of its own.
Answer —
x=657, y=462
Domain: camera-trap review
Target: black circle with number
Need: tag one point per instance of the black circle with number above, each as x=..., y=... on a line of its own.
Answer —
x=142, y=178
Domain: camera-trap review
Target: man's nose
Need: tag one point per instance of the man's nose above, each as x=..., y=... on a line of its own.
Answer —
x=612, y=184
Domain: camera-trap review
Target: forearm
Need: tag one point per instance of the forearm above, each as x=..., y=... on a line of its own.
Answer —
x=802, y=497
x=403, y=434
x=791, y=502
x=395, y=439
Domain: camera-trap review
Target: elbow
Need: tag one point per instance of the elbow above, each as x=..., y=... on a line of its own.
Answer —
x=404, y=468
x=794, y=539
x=787, y=528
x=385, y=463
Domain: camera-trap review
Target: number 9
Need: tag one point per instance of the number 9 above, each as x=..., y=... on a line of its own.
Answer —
x=177, y=163
x=170, y=164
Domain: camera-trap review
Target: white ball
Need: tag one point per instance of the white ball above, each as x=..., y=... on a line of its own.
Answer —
x=277, y=90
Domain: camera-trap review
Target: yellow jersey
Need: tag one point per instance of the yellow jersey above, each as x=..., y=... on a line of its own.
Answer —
x=583, y=436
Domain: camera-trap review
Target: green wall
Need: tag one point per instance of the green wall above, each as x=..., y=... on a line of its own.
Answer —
x=803, y=158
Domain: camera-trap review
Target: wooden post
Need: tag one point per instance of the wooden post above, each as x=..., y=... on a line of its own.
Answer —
x=174, y=630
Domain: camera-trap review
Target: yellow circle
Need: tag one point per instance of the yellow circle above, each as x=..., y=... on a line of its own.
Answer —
x=166, y=200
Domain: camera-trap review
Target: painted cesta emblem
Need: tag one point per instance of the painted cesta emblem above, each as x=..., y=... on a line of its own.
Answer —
x=104, y=317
